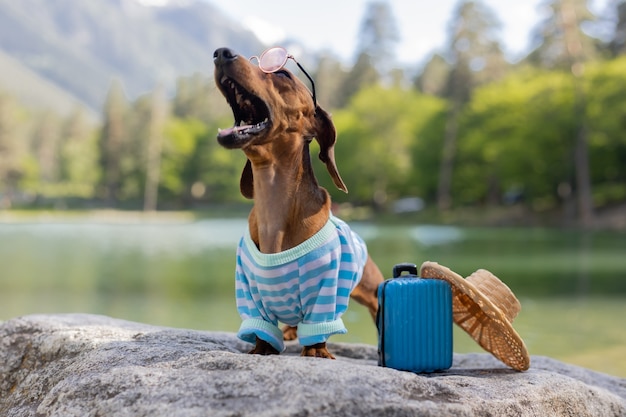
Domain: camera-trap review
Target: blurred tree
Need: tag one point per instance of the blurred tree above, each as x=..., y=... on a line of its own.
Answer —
x=158, y=119
x=564, y=45
x=427, y=149
x=378, y=36
x=12, y=151
x=618, y=40
x=219, y=169
x=375, y=52
x=79, y=156
x=517, y=141
x=476, y=57
x=361, y=76
x=560, y=39
x=195, y=168
x=376, y=136
x=329, y=78
x=112, y=142
x=434, y=77
x=197, y=97
x=46, y=145
x=474, y=50
x=134, y=160
x=181, y=149
x=605, y=83
x=522, y=139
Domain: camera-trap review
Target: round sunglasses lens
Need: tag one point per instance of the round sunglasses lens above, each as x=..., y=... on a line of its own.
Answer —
x=273, y=59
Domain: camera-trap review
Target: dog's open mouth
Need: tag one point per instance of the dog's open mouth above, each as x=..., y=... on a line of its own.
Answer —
x=251, y=113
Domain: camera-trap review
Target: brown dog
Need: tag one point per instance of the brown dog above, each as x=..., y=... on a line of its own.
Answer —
x=276, y=118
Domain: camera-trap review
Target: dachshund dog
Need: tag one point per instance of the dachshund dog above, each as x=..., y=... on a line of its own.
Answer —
x=296, y=264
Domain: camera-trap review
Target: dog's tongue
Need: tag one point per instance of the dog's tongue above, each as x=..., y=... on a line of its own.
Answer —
x=225, y=132
x=235, y=130
x=242, y=130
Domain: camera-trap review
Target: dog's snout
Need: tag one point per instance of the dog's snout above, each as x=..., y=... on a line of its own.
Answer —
x=223, y=56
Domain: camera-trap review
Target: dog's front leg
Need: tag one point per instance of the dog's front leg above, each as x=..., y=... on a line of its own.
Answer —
x=290, y=332
x=317, y=350
x=263, y=348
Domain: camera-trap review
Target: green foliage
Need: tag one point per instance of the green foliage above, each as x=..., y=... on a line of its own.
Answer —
x=377, y=135
x=519, y=134
x=606, y=112
x=181, y=138
x=79, y=157
x=195, y=167
x=516, y=133
x=12, y=150
x=495, y=130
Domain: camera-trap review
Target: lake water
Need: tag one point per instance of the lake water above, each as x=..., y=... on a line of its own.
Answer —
x=178, y=271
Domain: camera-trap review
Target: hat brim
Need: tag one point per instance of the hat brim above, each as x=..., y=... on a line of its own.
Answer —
x=475, y=313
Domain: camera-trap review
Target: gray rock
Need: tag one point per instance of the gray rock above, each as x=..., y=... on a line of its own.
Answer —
x=85, y=365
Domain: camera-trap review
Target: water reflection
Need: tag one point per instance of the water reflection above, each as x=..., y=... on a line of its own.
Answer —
x=150, y=238
x=181, y=273
x=430, y=235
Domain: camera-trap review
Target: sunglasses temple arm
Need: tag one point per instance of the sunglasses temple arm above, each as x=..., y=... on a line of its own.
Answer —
x=310, y=79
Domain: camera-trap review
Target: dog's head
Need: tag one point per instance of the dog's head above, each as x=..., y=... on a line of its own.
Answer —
x=272, y=110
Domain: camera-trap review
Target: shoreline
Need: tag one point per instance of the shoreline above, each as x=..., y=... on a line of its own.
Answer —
x=613, y=219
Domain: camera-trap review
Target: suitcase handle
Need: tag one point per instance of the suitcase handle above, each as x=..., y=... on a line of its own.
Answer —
x=404, y=267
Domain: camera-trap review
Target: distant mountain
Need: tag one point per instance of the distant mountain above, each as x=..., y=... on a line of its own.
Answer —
x=79, y=46
x=35, y=92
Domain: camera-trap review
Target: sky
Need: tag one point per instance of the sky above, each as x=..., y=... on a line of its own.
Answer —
x=334, y=24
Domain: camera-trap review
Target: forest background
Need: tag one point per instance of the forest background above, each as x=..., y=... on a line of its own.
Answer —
x=542, y=139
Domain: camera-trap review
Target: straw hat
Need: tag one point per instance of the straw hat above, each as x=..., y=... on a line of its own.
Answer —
x=484, y=307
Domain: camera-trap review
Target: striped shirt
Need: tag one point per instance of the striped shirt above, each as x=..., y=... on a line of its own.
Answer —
x=307, y=286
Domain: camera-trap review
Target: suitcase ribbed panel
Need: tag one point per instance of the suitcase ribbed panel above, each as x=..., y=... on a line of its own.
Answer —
x=416, y=324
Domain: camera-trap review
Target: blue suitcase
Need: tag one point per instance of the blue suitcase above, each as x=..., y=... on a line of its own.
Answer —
x=414, y=322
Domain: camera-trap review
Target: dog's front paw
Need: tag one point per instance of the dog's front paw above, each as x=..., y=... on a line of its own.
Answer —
x=290, y=332
x=317, y=351
x=263, y=348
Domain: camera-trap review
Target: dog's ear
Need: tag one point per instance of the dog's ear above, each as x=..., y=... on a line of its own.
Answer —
x=326, y=136
x=246, y=183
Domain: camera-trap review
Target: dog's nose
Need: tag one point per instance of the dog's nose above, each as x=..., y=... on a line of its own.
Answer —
x=223, y=56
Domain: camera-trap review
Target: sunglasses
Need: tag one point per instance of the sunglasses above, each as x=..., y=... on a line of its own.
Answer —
x=274, y=59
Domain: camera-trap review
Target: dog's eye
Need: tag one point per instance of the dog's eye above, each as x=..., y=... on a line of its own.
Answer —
x=283, y=73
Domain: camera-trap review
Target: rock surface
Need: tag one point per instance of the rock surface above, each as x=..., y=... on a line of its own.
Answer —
x=85, y=365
